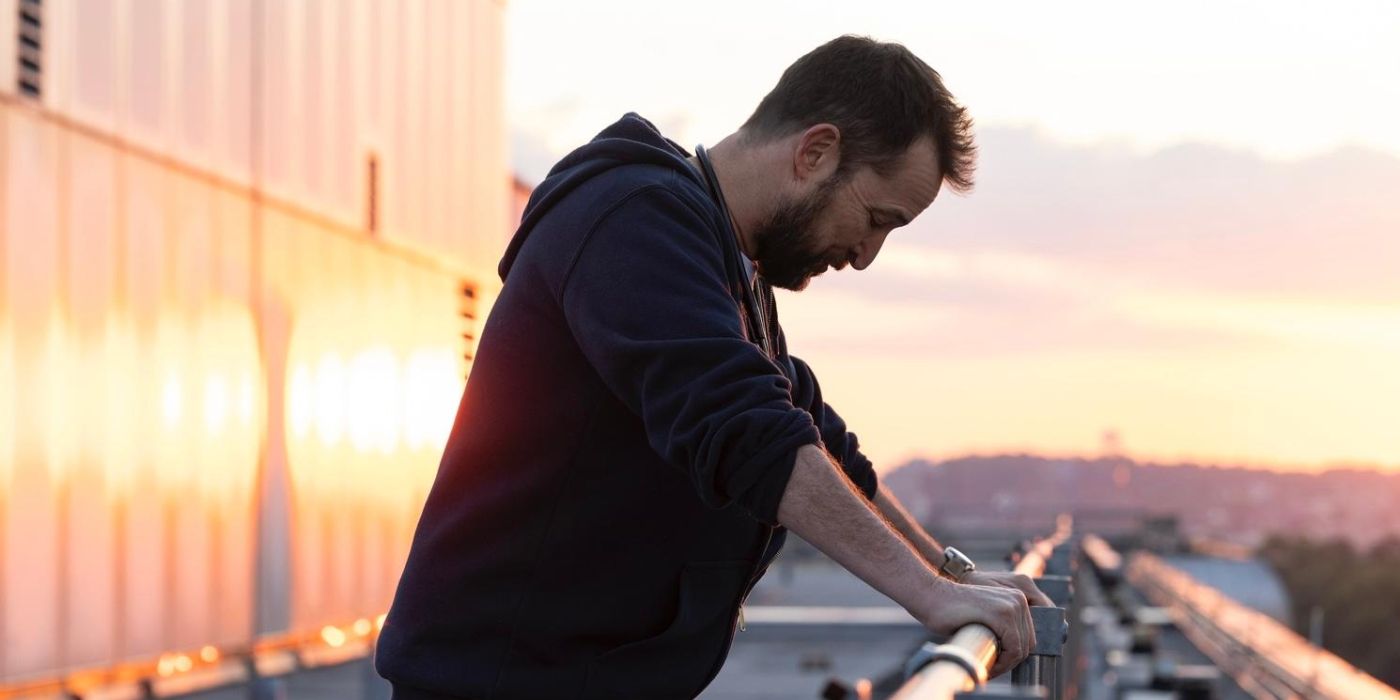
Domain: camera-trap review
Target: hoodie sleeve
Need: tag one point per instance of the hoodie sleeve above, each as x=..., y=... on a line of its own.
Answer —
x=647, y=300
x=842, y=444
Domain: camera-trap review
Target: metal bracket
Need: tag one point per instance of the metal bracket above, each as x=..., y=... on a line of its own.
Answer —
x=1002, y=692
x=930, y=652
x=1060, y=589
x=1051, y=631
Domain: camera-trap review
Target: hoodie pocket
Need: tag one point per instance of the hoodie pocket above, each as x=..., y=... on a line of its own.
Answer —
x=680, y=661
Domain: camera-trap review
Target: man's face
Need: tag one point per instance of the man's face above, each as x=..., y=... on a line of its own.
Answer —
x=838, y=223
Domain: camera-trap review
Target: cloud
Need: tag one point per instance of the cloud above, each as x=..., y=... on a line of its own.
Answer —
x=1192, y=216
x=1100, y=247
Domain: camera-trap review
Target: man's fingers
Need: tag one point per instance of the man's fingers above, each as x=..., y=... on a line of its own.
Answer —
x=1018, y=637
x=1030, y=629
x=1020, y=582
x=1034, y=595
x=1010, y=654
x=1005, y=654
x=1025, y=629
x=1037, y=598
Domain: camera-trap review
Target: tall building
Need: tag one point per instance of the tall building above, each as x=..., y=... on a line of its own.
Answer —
x=243, y=245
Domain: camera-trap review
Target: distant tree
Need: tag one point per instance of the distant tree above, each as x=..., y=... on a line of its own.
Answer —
x=1359, y=594
x=1387, y=549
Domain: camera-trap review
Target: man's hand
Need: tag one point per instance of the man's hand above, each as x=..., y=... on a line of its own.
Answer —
x=1006, y=579
x=1002, y=609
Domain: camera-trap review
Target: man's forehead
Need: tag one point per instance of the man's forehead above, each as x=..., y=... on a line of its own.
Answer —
x=914, y=182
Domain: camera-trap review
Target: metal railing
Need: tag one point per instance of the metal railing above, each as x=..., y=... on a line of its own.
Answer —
x=210, y=668
x=1257, y=650
x=961, y=664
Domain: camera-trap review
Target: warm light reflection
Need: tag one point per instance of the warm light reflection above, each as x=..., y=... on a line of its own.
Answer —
x=208, y=654
x=300, y=393
x=431, y=392
x=378, y=400
x=172, y=663
x=228, y=360
x=330, y=399
x=245, y=398
x=216, y=404
x=121, y=410
x=54, y=373
x=171, y=362
x=171, y=402
x=373, y=405
x=418, y=393
x=7, y=399
x=373, y=377
x=333, y=636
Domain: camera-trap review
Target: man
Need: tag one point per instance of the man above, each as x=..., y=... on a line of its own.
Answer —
x=635, y=438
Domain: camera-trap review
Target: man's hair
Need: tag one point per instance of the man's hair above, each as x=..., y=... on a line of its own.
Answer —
x=881, y=96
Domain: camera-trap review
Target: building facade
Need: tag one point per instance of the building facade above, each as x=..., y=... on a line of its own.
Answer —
x=242, y=248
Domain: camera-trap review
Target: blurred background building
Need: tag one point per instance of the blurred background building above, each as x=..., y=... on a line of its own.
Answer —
x=243, y=249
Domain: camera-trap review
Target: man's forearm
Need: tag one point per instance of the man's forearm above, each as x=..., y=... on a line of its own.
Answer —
x=894, y=511
x=823, y=507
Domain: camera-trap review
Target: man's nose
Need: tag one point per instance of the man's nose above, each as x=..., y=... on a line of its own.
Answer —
x=867, y=250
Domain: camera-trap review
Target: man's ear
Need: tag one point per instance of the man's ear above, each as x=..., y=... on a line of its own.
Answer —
x=818, y=153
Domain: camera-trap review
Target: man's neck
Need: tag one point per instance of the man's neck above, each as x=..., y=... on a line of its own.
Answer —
x=736, y=172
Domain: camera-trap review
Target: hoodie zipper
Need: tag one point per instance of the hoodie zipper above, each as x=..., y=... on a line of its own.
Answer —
x=738, y=624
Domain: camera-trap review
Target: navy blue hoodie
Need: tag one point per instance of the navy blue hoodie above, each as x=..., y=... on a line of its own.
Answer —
x=609, y=492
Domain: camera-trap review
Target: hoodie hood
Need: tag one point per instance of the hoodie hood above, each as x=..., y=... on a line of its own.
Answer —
x=631, y=140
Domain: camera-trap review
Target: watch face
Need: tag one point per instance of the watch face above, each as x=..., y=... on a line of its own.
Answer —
x=957, y=564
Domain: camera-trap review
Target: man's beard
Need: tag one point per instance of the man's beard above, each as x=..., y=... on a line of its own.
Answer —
x=787, y=253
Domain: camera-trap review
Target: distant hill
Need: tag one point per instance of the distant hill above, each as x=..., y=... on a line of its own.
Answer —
x=1230, y=503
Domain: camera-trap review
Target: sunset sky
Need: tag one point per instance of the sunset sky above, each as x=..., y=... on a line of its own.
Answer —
x=1186, y=226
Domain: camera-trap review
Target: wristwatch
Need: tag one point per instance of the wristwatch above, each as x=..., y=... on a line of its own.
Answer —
x=956, y=565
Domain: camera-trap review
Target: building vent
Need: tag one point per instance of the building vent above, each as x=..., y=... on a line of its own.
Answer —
x=466, y=312
x=31, y=48
x=372, y=196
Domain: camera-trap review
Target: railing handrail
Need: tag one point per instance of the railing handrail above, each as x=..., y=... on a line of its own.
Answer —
x=1219, y=623
x=975, y=645
x=211, y=667
x=1101, y=553
x=1032, y=562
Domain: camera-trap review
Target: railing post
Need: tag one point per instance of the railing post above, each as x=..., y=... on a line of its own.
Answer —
x=1051, y=632
x=1027, y=673
x=1057, y=588
x=1060, y=562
